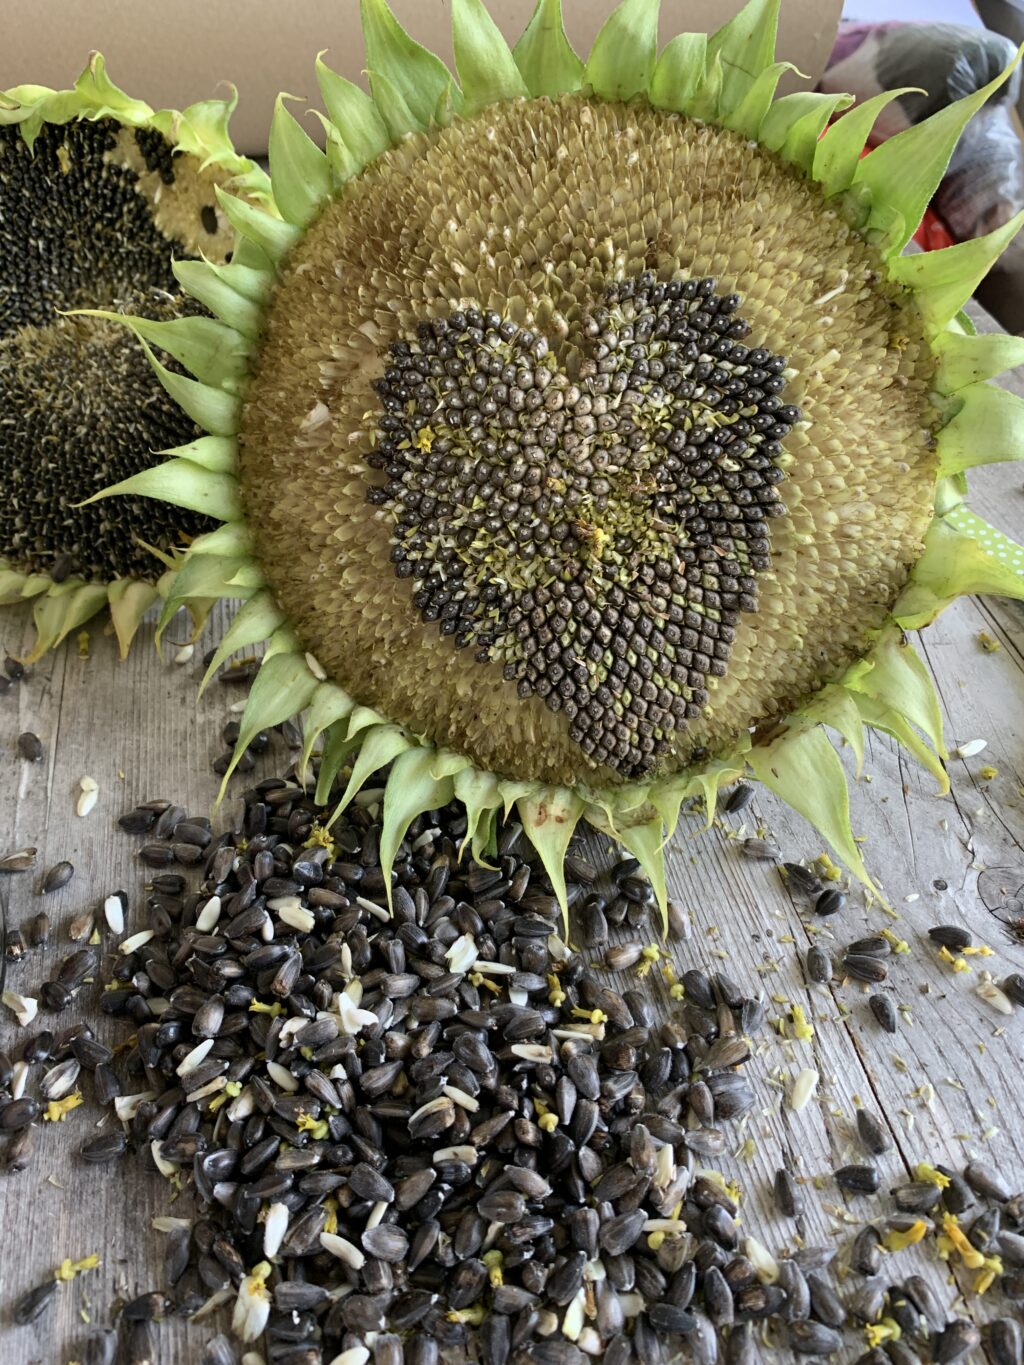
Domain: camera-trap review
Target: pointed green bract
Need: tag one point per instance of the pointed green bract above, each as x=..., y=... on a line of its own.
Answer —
x=895, y=676
x=988, y=429
x=746, y=47
x=63, y=610
x=549, y=817
x=544, y=55
x=328, y=706
x=337, y=747
x=420, y=780
x=354, y=115
x=962, y=555
x=219, y=454
x=881, y=717
x=298, y=168
x=272, y=235
x=623, y=57
x=254, y=622
x=802, y=768
x=904, y=172
x=967, y=360
x=838, y=153
x=281, y=689
x=214, y=353
x=185, y=485
x=129, y=600
x=411, y=80
x=11, y=584
x=381, y=744
x=232, y=538
x=748, y=113
x=944, y=280
x=680, y=75
x=793, y=125
x=480, y=793
x=209, y=578
x=486, y=67
x=213, y=409
x=836, y=708
x=645, y=839
x=206, y=283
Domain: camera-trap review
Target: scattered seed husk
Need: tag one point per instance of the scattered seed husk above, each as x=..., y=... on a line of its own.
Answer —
x=19, y=860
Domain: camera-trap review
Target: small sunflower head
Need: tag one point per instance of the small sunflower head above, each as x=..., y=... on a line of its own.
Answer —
x=101, y=197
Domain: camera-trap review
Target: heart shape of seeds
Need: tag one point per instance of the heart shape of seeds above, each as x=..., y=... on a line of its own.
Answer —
x=598, y=526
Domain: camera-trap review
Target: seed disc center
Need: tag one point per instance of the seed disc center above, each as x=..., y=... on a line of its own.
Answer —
x=599, y=532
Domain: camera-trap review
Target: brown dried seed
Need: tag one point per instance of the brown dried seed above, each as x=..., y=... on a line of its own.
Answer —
x=106, y=1147
x=789, y=1198
x=18, y=1114
x=985, y=1181
x=952, y=936
x=33, y=1304
x=858, y=1179
x=386, y=1242
x=761, y=849
x=866, y=1252
x=800, y=879
x=884, y=1011
x=917, y=1196
x=957, y=1339
x=875, y=1138
x=865, y=968
x=30, y=747
x=1003, y=1342
x=819, y=965
x=829, y=902
x=810, y=1338
x=57, y=876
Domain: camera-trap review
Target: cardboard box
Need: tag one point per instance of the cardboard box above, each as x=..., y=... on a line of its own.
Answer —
x=175, y=52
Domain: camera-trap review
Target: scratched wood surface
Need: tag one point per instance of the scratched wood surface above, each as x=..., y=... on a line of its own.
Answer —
x=948, y=1084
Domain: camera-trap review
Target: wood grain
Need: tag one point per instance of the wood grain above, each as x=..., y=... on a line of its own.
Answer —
x=136, y=729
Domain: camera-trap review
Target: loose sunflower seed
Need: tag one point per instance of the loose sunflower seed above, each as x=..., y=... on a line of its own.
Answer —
x=57, y=876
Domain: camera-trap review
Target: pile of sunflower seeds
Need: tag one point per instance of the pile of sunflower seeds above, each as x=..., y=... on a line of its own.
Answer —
x=444, y=1134
x=435, y=1133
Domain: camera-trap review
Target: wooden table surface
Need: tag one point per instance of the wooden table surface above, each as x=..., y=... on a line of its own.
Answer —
x=948, y=1084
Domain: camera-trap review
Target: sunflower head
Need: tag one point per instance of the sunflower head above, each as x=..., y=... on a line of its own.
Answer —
x=104, y=203
x=597, y=444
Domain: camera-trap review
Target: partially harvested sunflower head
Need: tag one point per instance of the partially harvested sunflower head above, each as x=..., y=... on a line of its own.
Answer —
x=597, y=444
x=104, y=205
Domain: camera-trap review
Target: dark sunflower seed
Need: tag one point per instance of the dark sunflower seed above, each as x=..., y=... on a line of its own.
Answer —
x=57, y=876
